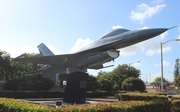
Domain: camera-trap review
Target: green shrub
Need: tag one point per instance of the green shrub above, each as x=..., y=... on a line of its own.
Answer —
x=48, y=94
x=141, y=97
x=176, y=97
x=12, y=105
x=130, y=106
x=175, y=106
x=12, y=85
x=101, y=94
x=31, y=94
x=132, y=83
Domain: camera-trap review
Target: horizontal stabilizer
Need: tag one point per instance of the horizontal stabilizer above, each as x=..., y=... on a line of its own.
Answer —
x=18, y=57
x=49, y=60
x=108, y=66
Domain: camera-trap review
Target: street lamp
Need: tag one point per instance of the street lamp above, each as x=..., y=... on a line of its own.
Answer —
x=146, y=78
x=130, y=64
x=162, y=61
x=134, y=62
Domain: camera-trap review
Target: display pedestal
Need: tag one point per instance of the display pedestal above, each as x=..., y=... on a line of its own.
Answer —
x=75, y=91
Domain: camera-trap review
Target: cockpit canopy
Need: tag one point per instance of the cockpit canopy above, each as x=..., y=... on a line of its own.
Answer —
x=114, y=32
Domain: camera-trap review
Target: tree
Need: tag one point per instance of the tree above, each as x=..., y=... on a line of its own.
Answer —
x=29, y=83
x=121, y=72
x=12, y=85
x=14, y=73
x=5, y=67
x=92, y=83
x=158, y=81
x=105, y=81
x=177, y=81
x=177, y=68
x=19, y=68
x=113, y=80
x=132, y=83
x=101, y=73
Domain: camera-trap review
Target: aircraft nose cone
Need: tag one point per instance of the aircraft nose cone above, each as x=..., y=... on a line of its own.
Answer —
x=157, y=31
x=150, y=33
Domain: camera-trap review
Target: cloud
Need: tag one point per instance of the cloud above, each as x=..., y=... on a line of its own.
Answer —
x=165, y=64
x=139, y=47
x=54, y=50
x=165, y=49
x=145, y=27
x=156, y=75
x=144, y=12
x=163, y=35
x=150, y=52
x=178, y=37
x=131, y=50
x=157, y=64
x=80, y=43
x=24, y=49
x=28, y=49
x=154, y=45
x=115, y=27
x=6, y=7
x=157, y=1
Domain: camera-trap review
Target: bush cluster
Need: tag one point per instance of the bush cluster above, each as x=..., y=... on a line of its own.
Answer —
x=155, y=97
x=48, y=94
x=100, y=94
x=153, y=102
x=175, y=106
x=31, y=94
x=11, y=105
x=142, y=96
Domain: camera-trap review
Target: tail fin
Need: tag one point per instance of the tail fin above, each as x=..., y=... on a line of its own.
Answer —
x=44, y=50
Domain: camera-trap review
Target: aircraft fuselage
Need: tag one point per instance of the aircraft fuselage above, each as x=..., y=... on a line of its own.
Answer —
x=94, y=55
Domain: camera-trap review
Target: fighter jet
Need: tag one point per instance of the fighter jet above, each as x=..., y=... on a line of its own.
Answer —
x=93, y=56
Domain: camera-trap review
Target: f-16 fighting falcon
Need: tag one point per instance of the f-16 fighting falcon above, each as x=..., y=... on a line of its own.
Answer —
x=93, y=56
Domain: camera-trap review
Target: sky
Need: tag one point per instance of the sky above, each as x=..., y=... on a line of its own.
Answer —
x=66, y=26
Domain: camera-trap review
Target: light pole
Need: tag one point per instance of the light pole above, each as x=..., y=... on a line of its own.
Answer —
x=130, y=65
x=134, y=62
x=162, y=61
x=146, y=78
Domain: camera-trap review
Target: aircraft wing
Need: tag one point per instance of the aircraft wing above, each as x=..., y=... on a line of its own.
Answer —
x=50, y=60
x=61, y=59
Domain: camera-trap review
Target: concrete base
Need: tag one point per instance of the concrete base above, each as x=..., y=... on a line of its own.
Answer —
x=75, y=91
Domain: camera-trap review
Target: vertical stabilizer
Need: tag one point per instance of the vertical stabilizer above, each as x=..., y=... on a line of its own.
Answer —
x=44, y=50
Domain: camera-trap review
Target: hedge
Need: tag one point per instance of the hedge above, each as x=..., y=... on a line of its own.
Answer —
x=48, y=94
x=141, y=96
x=175, y=106
x=12, y=105
x=31, y=94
